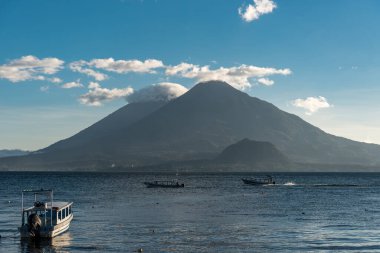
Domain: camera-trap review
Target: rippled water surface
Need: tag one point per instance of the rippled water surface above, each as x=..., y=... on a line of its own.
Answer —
x=213, y=213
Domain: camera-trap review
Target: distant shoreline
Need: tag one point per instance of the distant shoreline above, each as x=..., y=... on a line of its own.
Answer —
x=225, y=169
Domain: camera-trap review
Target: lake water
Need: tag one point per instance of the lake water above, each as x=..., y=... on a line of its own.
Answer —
x=115, y=212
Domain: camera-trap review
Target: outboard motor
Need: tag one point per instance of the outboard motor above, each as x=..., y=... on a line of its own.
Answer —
x=34, y=224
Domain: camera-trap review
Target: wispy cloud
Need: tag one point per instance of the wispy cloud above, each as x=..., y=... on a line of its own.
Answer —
x=311, y=104
x=79, y=66
x=70, y=85
x=33, y=68
x=97, y=95
x=240, y=77
x=158, y=92
x=30, y=68
x=44, y=88
x=254, y=11
x=125, y=66
x=117, y=66
x=265, y=81
x=55, y=80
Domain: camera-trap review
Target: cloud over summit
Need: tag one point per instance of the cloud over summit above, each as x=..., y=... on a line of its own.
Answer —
x=165, y=91
x=157, y=92
x=239, y=77
x=30, y=67
x=97, y=95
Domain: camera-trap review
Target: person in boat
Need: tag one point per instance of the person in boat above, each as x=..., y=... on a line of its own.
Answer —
x=34, y=224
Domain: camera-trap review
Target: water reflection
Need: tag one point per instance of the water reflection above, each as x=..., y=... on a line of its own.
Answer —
x=56, y=244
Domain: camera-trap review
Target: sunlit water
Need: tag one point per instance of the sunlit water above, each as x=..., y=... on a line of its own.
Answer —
x=213, y=213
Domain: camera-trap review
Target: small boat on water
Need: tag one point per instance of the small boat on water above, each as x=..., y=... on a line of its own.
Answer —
x=44, y=219
x=164, y=184
x=259, y=180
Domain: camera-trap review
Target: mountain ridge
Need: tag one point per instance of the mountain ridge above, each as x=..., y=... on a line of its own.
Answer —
x=124, y=116
x=199, y=125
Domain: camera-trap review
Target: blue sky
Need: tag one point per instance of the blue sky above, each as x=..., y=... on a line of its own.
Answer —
x=327, y=51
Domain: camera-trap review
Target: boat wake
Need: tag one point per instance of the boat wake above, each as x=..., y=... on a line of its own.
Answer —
x=335, y=185
x=290, y=183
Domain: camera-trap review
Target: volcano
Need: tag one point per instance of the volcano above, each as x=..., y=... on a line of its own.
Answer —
x=197, y=125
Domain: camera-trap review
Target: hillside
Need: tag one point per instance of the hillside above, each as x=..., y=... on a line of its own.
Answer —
x=251, y=152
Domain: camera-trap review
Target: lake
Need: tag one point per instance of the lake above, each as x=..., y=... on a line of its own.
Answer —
x=115, y=212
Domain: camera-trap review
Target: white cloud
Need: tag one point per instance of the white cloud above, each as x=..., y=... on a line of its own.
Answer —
x=158, y=92
x=70, y=85
x=93, y=85
x=180, y=68
x=97, y=95
x=239, y=77
x=255, y=10
x=265, y=81
x=30, y=68
x=311, y=104
x=55, y=80
x=122, y=66
x=78, y=66
x=118, y=66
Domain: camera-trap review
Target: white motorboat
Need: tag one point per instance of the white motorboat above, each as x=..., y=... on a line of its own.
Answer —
x=44, y=219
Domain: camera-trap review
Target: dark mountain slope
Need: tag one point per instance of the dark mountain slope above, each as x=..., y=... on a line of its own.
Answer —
x=116, y=121
x=213, y=115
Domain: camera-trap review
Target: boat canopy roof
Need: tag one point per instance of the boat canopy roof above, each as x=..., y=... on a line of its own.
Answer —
x=56, y=205
x=40, y=191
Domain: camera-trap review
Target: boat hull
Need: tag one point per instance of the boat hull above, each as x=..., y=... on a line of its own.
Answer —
x=47, y=232
x=255, y=182
x=153, y=185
